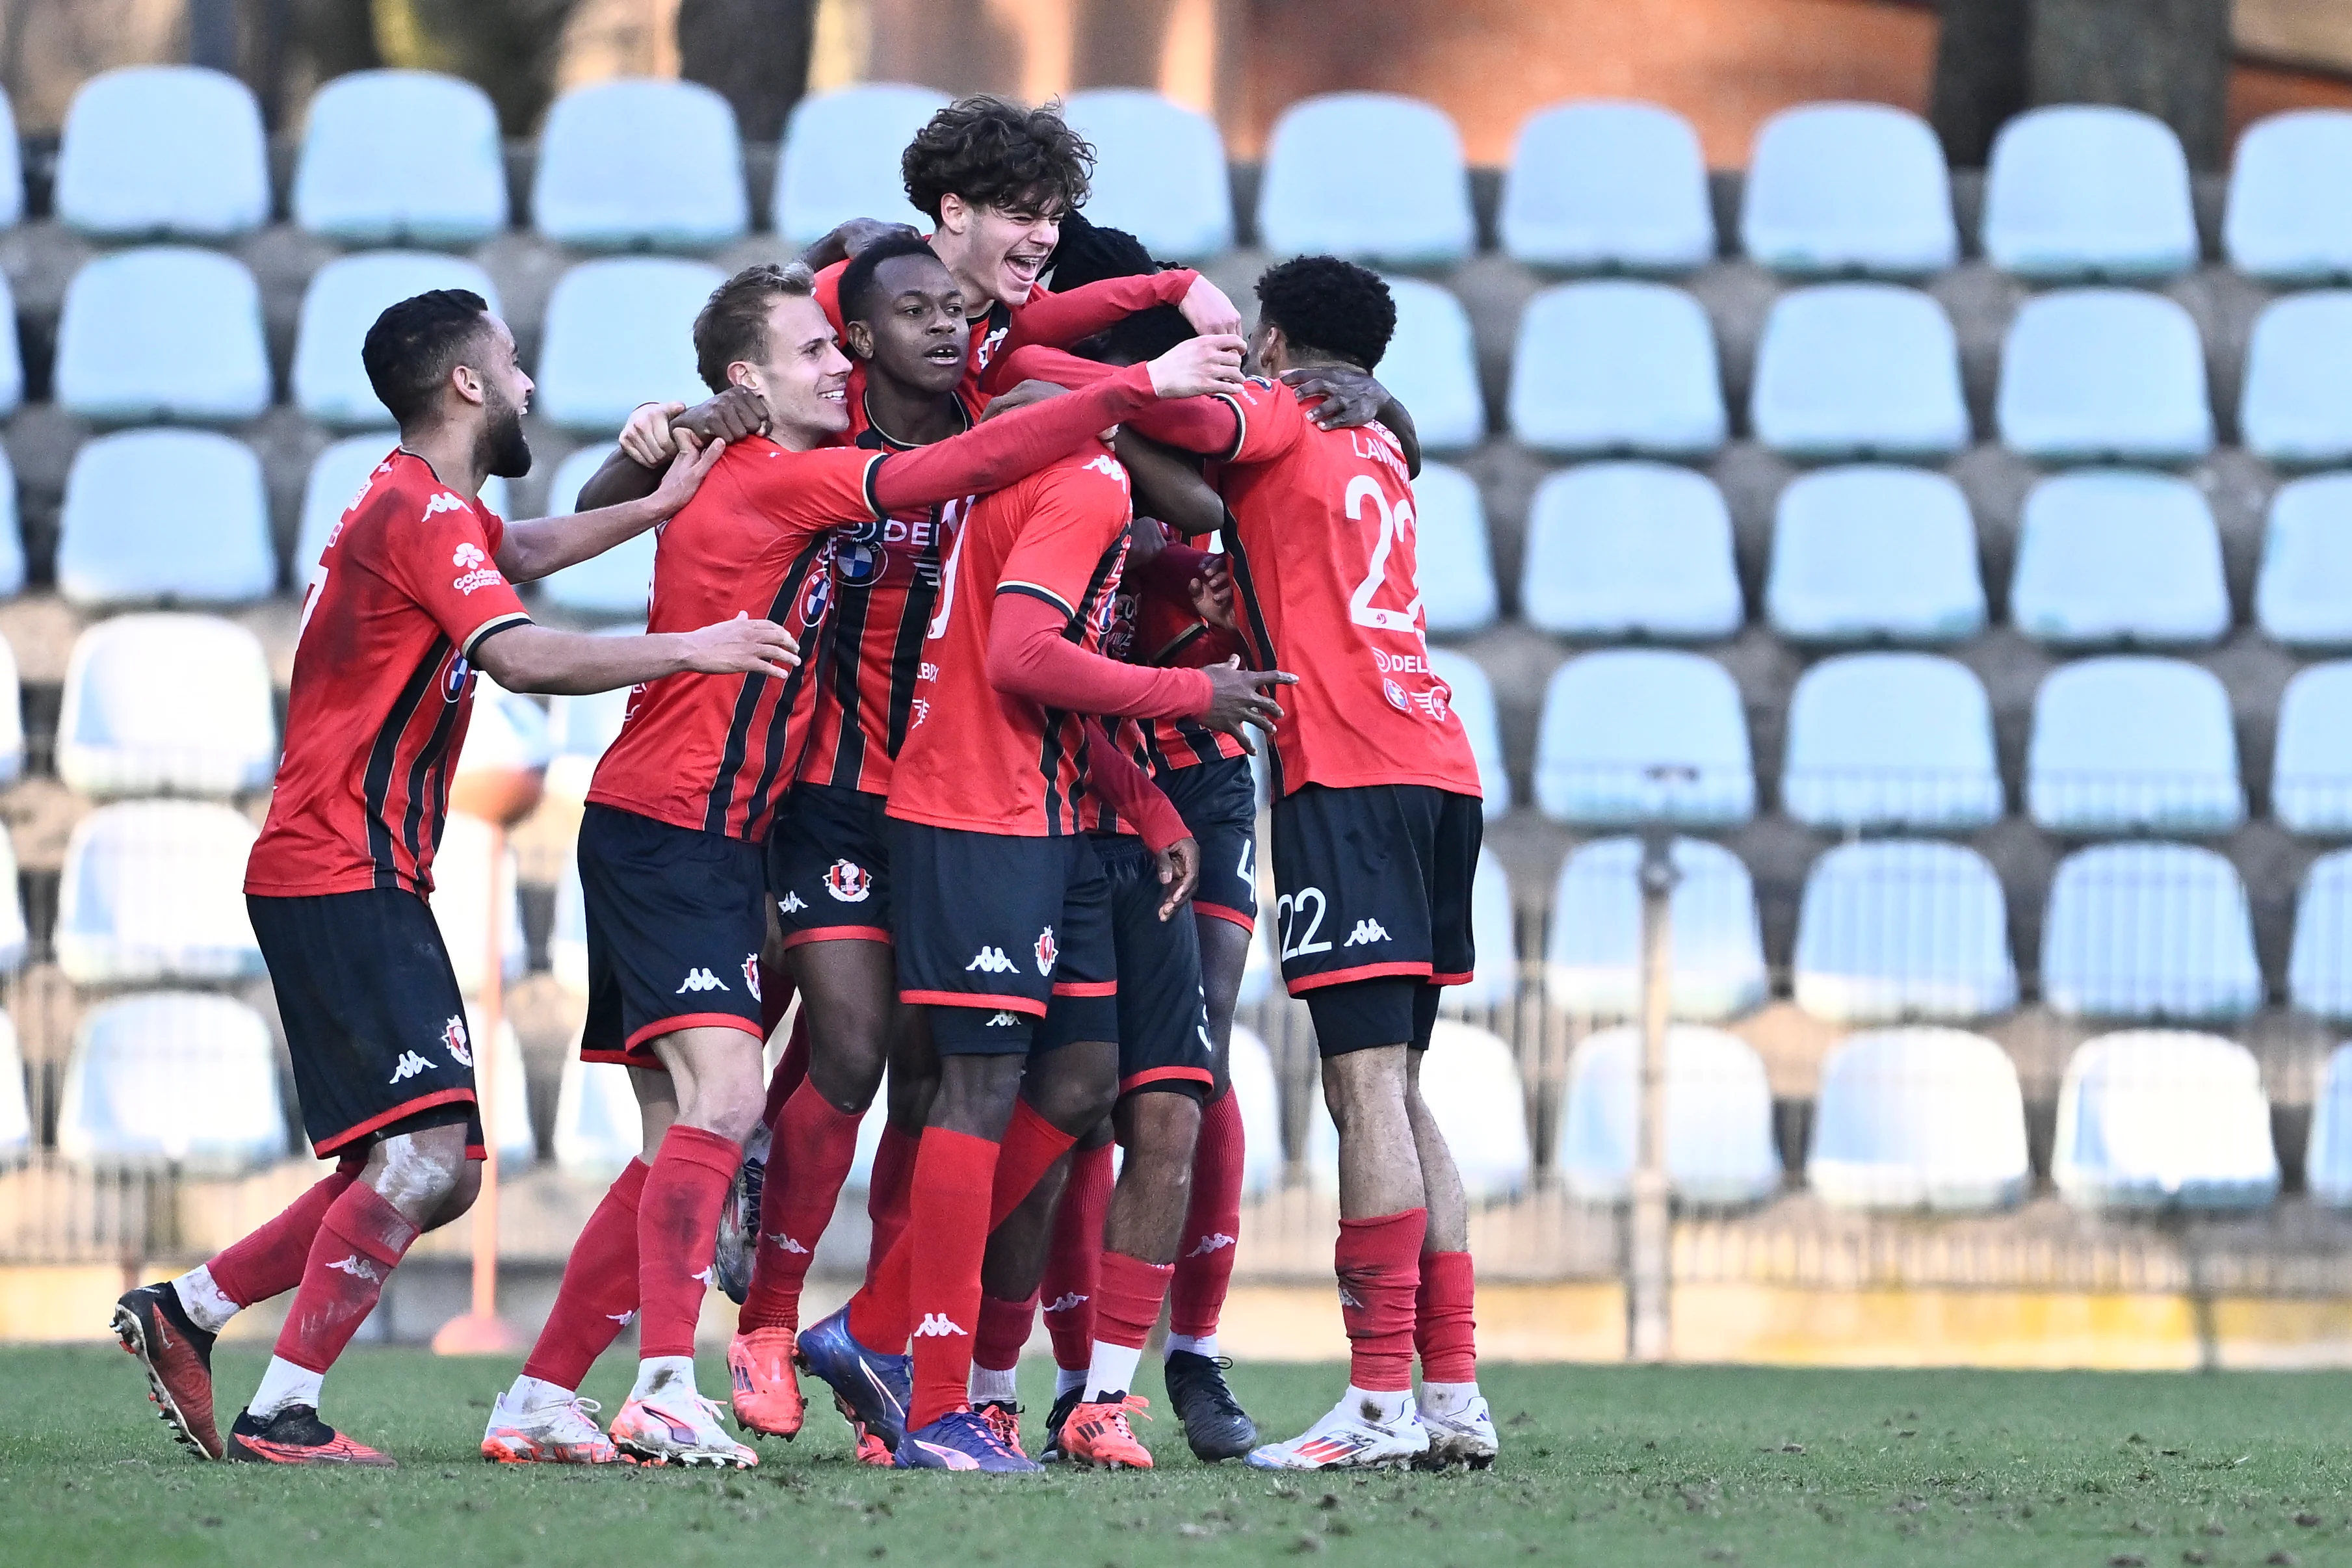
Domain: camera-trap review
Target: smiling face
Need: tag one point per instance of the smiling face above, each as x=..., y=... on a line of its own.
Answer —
x=505, y=392
x=912, y=328
x=996, y=253
x=804, y=377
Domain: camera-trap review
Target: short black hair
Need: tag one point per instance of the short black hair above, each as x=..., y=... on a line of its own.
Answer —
x=734, y=322
x=994, y=153
x=1327, y=306
x=1091, y=252
x=857, y=277
x=414, y=345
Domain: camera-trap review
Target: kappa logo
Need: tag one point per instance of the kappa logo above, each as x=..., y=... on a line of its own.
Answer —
x=793, y=904
x=783, y=1243
x=1068, y=1302
x=443, y=502
x=936, y=1326
x=1046, y=950
x=408, y=1067
x=1347, y=1298
x=1366, y=931
x=848, y=881
x=358, y=1267
x=1217, y=1242
x=624, y=1319
x=699, y=980
x=990, y=960
x=1002, y=1021
x=752, y=974
x=703, y=1279
x=468, y=556
x=454, y=1041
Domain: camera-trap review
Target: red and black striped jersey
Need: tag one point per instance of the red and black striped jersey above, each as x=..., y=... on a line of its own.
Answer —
x=405, y=591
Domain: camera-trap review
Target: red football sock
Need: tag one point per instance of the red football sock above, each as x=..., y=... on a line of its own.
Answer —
x=807, y=1163
x=1442, y=1329
x=359, y=1242
x=946, y=1241
x=678, y=1230
x=1378, y=1262
x=1127, y=1305
x=1212, y=1222
x=599, y=1293
x=791, y=1067
x=268, y=1260
x=1074, y=1263
x=886, y=1193
x=1004, y=1331
x=1031, y=1146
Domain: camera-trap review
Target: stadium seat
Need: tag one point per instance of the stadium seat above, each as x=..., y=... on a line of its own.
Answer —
x=1495, y=981
x=2163, y=1119
x=567, y=937
x=2327, y=1159
x=13, y=933
x=2128, y=743
x=173, y=1080
x=163, y=333
x=12, y=717
x=343, y=300
x=1159, y=171
x=1261, y=1105
x=641, y=165
x=2103, y=375
x=1638, y=735
x=840, y=159
x=12, y=536
x=338, y=476
x=619, y=332
x=597, y=1129
x=1630, y=550
x=1457, y=565
x=12, y=168
x=1898, y=929
x=507, y=734
x=2303, y=594
x=1399, y=195
x=401, y=157
x=1616, y=368
x=165, y=517
x=1432, y=367
x=1474, y=706
x=461, y=901
x=163, y=151
x=2079, y=190
x=2319, y=962
x=1891, y=739
x=517, y=1145
x=15, y=1108
x=2149, y=931
x=1848, y=187
x=154, y=891
x=1918, y=1119
x=2295, y=408
x=1599, y=185
x=2110, y=557
x=1479, y=1103
x=12, y=359
x=578, y=731
x=1858, y=370
x=167, y=704
x=2277, y=227
x=614, y=586
x=2311, y=770
x=1592, y=966
x=1720, y=1148
x=1872, y=552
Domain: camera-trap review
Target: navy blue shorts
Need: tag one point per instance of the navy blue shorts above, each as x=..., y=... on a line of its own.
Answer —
x=829, y=866
x=1218, y=801
x=676, y=918
x=1163, y=1015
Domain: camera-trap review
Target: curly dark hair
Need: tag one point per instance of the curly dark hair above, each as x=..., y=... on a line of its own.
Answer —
x=994, y=153
x=1088, y=253
x=414, y=344
x=734, y=322
x=857, y=277
x=1327, y=306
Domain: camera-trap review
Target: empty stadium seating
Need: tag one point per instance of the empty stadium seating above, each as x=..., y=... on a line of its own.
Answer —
x=2311, y=772
x=2319, y=964
x=597, y=1129
x=507, y=734
x=1848, y=187
x=1918, y=1119
x=1592, y=963
x=2103, y=375
x=2150, y=932
x=641, y=165
x=1630, y=550
x=1858, y=370
x=343, y=300
x=578, y=731
x=12, y=535
x=1261, y=1108
x=619, y=332
x=517, y=1145
x=615, y=586
x=1399, y=196
x=1616, y=368
x=154, y=891
x=1643, y=735
x=461, y=903
x=1456, y=563
x=1159, y=171
x=15, y=1111
x=2078, y=191
x=2116, y=556
x=12, y=717
x=12, y=363
x=164, y=516
x=2130, y=743
x=1474, y=708
x=2296, y=406
x=13, y=933
x=2328, y=1158
x=1471, y=1084
x=11, y=167
x=1718, y=1118
x=167, y=704
x=338, y=476
x=2303, y=596
x=163, y=333
x=1495, y=981
x=1900, y=930
x=567, y=938
x=2164, y=1119
x=2271, y=229
x=1872, y=552
x=1432, y=367
x=163, y=151
x=1601, y=186
x=840, y=158
x=401, y=157
x=173, y=1080
x=1891, y=739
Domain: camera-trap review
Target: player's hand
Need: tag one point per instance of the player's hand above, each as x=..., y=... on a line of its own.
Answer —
x=847, y=239
x=731, y=416
x=1198, y=365
x=1021, y=396
x=1213, y=593
x=647, y=438
x=741, y=646
x=1205, y=306
x=1179, y=873
x=1239, y=702
x=685, y=474
x=1351, y=396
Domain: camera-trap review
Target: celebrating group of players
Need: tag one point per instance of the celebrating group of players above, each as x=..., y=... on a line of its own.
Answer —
x=939, y=723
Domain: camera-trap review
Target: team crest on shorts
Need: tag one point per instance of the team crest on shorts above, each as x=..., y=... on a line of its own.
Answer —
x=752, y=974
x=454, y=1041
x=848, y=881
x=1046, y=951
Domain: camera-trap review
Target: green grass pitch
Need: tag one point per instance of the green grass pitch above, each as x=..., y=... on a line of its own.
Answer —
x=1606, y=1465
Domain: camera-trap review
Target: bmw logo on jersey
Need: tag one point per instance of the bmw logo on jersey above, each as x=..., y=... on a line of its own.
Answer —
x=858, y=561
x=816, y=596
x=453, y=681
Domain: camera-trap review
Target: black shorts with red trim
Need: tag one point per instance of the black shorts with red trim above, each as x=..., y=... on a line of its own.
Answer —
x=829, y=866
x=676, y=920
x=374, y=1020
x=1374, y=886
x=1014, y=927
x=1161, y=1019
x=1218, y=801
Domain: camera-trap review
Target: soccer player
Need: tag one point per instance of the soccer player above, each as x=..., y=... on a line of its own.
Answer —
x=412, y=593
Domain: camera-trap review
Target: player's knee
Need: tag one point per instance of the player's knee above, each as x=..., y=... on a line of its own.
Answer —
x=1075, y=1103
x=848, y=1070
x=417, y=1173
x=460, y=1197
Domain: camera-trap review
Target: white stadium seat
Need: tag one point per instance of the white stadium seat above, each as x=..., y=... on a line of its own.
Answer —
x=1457, y=563
x=15, y=1108
x=163, y=333
x=1495, y=983
x=1848, y=187
x=1159, y=171
x=338, y=477
x=1616, y=368
x=617, y=584
x=461, y=902
x=2295, y=407
x=2319, y=963
x=2311, y=770
x=12, y=717
x=12, y=534
x=2077, y=191
x=13, y=933
x=343, y=300
x=2163, y=1119
x=1873, y=552
x=2103, y=375
x=2151, y=932
x=1471, y=1083
x=1400, y=195
x=1432, y=367
x=840, y=159
x=163, y=151
x=1891, y=739
x=1260, y=1099
x=11, y=167
x=619, y=332
x=167, y=704
x=401, y=157
x=11, y=370
x=2118, y=556
x=637, y=164
x=2327, y=1160
x=1593, y=967
x=1858, y=370
x=1634, y=735
x=517, y=1145
x=1718, y=1118
x=1918, y=1119
x=597, y=1129
x=1473, y=709
x=567, y=940
x=2130, y=743
x=173, y=1080
x=2279, y=226
x=1898, y=929
x=578, y=731
x=164, y=516
x=507, y=734
x=1630, y=550
x=2303, y=594
x=1599, y=185
x=154, y=891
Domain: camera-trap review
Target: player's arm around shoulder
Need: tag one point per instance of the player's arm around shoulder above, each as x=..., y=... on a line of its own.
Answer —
x=526, y=657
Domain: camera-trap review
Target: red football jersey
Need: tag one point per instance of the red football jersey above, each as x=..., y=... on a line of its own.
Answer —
x=1326, y=576
x=404, y=593
x=716, y=751
x=975, y=758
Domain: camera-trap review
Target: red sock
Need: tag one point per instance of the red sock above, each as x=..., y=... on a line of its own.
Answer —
x=1004, y=1331
x=1127, y=1305
x=775, y=1000
x=807, y=1163
x=946, y=1241
x=359, y=1242
x=1212, y=1223
x=1442, y=1330
x=268, y=1260
x=1074, y=1265
x=879, y=1312
x=599, y=1293
x=791, y=1067
x=1031, y=1146
x=886, y=1193
x=678, y=1230
x=1378, y=1264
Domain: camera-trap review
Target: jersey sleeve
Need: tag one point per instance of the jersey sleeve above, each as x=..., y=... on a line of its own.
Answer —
x=447, y=563
x=1074, y=513
x=1061, y=320
x=1272, y=421
x=808, y=492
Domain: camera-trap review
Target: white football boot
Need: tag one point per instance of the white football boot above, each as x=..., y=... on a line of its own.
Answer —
x=1464, y=1437
x=681, y=1428
x=560, y=1432
x=1348, y=1439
